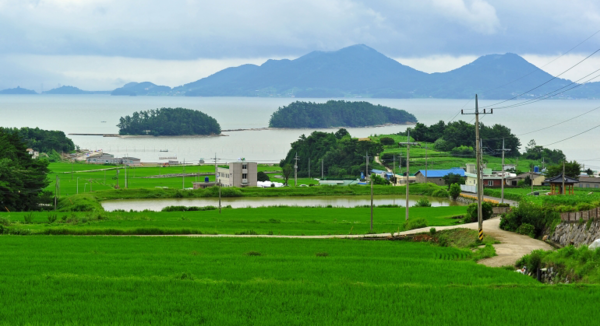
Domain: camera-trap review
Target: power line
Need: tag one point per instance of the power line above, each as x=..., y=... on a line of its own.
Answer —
x=546, y=82
x=554, y=125
x=581, y=133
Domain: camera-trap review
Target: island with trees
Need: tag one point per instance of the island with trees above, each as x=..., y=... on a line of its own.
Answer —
x=337, y=114
x=169, y=122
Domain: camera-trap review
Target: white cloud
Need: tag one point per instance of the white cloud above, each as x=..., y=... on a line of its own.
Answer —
x=437, y=63
x=477, y=15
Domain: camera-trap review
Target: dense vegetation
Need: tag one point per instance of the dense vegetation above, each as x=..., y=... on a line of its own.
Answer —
x=337, y=114
x=133, y=281
x=459, y=136
x=169, y=122
x=22, y=179
x=43, y=141
x=342, y=155
x=568, y=264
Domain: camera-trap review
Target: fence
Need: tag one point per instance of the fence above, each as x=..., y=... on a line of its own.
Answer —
x=576, y=216
x=465, y=188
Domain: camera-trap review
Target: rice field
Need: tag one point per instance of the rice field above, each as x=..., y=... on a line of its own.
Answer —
x=263, y=220
x=65, y=280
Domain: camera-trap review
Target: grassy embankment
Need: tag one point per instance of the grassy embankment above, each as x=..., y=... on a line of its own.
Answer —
x=263, y=220
x=187, y=281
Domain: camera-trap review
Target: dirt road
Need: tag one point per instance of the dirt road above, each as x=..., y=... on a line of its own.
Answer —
x=512, y=246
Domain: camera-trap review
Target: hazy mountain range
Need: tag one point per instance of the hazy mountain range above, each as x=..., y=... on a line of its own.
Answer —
x=360, y=71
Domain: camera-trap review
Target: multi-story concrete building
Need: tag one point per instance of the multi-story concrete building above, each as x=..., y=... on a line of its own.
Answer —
x=238, y=174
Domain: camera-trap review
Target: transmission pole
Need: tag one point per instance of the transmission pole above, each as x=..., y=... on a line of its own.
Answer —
x=425, y=163
x=563, y=180
x=394, y=168
x=407, y=169
x=218, y=182
x=372, y=204
x=479, y=170
x=367, y=167
x=296, y=170
x=503, y=171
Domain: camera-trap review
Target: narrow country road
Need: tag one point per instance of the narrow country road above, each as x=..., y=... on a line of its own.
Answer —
x=376, y=159
x=512, y=246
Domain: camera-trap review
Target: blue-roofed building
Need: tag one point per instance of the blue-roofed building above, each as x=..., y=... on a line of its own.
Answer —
x=383, y=174
x=437, y=176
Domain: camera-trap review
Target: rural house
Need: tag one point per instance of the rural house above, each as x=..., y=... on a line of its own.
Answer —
x=437, y=176
x=238, y=174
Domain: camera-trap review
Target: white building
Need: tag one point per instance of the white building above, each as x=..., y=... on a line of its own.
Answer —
x=238, y=174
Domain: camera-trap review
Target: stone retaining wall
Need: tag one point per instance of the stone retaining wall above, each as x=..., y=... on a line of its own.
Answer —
x=576, y=233
x=576, y=216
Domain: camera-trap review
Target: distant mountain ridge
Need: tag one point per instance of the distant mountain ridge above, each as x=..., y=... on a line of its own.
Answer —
x=17, y=91
x=71, y=90
x=360, y=71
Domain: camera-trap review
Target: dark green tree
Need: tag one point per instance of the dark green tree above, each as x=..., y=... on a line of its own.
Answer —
x=261, y=176
x=572, y=169
x=451, y=178
x=169, y=121
x=287, y=171
x=22, y=179
x=454, y=191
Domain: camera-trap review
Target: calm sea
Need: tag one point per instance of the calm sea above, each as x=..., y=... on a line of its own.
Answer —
x=86, y=113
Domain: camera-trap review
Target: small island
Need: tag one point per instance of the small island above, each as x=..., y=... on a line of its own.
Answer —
x=169, y=122
x=17, y=91
x=337, y=114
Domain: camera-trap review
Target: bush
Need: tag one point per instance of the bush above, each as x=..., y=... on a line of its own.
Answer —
x=28, y=218
x=387, y=141
x=415, y=224
x=443, y=193
x=454, y=191
x=52, y=218
x=466, y=151
x=529, y=213
x=432, y=231
x=526, y=229
x=486, y=210
x=423, y=202
x=261, y=176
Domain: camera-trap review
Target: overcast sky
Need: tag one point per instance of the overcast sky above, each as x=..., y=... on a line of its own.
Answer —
x=102, y=44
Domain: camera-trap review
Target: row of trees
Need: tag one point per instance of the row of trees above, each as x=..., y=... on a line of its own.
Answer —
x=169, y=122
x=337, y=114
x=458, y=137
x=44, y=141
x=22, y=179
x=342, y=155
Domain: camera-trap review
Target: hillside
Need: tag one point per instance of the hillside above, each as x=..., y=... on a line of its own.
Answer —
x=17, y=91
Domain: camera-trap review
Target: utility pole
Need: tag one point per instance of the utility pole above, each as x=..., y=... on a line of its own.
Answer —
x=503, y=171
x=394, y=167
x=126, y=177
x=371, y=204
x=563, y=179
x=183, y=177
x=425, y=163
x=479, y=170
x=218, y=183
x=407, y=143
x=296, y=170
x=367, y=166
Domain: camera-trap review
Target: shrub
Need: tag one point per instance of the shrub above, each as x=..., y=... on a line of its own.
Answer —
x=529, y=213
x=415, y=224
x=432, y=231
x=423, y=202
x=526, y=229
x=253, y=253
x=387, y=141
x=441, y=192
x=454, y=191
x=486, y=210
x=52, y=218
x=4, y=221
x=261, y=176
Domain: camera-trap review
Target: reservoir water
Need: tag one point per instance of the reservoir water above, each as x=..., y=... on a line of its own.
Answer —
x=85, y=113
x=337, y=201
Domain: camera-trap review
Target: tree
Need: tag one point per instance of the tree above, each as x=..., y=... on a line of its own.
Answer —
x=451, y=178
x=287, y=171
x=169, y=121
x=261, y=176
x=454, y=191
x=572, y=169
x=22, y=179
x=387, y=141
x=341, y=133
x=377, y=180
x=486, y=210
x=589, y=172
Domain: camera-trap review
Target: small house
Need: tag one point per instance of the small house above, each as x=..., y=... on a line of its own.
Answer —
x=536, y=178
x=589, y=182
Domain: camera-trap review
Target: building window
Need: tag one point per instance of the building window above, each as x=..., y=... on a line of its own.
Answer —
x=490, y=182
x=244, y=166
x=244, y=176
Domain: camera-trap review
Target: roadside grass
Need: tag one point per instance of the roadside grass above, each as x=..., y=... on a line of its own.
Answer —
x=126, y=280
x=278, y=220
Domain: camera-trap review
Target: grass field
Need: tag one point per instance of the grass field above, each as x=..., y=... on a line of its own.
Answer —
x=101, y=177
x=63, y=280
x=264, y=220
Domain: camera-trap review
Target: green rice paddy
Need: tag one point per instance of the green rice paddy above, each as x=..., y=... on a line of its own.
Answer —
x=65, y=280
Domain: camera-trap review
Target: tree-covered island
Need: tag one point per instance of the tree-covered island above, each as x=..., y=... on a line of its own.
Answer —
x=169, y=122
x=337, y=114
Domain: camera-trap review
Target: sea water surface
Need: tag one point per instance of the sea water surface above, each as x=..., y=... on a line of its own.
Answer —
x=86, y=113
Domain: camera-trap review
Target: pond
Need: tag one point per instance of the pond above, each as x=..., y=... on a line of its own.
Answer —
x=241, y=202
